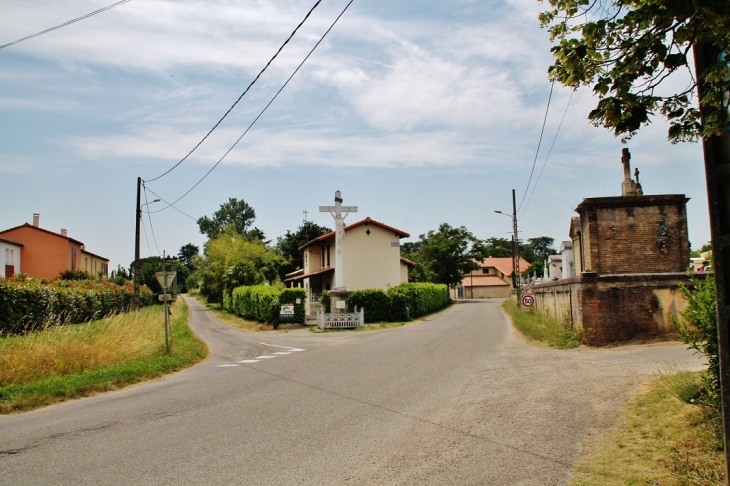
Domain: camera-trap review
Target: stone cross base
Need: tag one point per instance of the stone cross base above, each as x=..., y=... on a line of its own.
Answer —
x=338, y=300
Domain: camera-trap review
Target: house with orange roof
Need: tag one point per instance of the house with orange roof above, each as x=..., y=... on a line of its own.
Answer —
x=370, y=260
x=10, y=251
x=46, y=254
x=493, y=279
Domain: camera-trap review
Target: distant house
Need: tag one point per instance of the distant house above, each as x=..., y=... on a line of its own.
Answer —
x=492, y=279
x=10, y=251
x=46, y=254
x=370, y=259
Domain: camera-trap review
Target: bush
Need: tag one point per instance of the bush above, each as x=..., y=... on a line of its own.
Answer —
x=377, y=304
x=29, y=304
x=400, y=303
x=698, y=328
x=262, y=303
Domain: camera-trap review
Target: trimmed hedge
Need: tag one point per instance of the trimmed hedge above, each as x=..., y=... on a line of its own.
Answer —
x=418, y=298
x=262, y=303
x=30, y=304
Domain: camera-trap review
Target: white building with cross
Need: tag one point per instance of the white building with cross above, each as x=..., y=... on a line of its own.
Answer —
x=369, y=258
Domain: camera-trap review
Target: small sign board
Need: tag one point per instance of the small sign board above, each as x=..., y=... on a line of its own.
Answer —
x=340, y=304
x=528, y=290
x=163, y=297
x=528, y=301
x=161, y=278
x=287, y=310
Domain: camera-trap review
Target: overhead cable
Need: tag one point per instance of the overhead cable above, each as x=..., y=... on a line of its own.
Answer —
x=534, y=162
x=262, y=111
x=242, y=94
x=549, y=152
x=149, y=218
x=169, y=205
x=66, y=23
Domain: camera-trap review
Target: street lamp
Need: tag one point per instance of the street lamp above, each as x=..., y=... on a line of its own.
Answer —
x=136, y=242
x=515, y=248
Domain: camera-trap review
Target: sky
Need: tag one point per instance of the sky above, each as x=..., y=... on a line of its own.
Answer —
x=420, y=112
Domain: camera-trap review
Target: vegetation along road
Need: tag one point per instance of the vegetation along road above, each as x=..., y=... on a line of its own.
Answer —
x=456, y=399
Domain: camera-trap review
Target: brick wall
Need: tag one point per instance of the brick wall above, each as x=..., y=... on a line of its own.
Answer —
x=619, y=234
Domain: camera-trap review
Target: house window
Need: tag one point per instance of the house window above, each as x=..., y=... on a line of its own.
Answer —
x=73, y=258
x=485, y=270
x=328, y=256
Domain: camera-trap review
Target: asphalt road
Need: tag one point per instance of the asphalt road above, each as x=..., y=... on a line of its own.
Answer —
x=456, y=399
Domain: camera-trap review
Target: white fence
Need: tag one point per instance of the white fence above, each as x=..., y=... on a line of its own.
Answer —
x=347, y=320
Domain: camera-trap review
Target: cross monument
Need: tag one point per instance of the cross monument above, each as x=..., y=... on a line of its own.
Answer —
x=336, y=212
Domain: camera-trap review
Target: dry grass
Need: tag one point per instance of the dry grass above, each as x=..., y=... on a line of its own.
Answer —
x=662, y=440
x=543, y=328
x=77, y=348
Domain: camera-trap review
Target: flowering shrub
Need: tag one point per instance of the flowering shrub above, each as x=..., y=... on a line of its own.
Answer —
x=31, y=304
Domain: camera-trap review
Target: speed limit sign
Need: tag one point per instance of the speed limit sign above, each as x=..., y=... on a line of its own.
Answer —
x=528, y=300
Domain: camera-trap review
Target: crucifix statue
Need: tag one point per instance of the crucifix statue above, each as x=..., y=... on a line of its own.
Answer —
x=336, y=212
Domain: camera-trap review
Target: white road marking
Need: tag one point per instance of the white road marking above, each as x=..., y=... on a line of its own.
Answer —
x=283, y=352
x=285, y=347
x=246, y=361
x=265, y=357
x=226, y=366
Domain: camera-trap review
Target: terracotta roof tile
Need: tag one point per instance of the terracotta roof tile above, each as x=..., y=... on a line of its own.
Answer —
x=368, y=220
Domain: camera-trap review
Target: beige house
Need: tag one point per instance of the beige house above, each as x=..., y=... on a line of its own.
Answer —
x=370, y=260
x=493, y=279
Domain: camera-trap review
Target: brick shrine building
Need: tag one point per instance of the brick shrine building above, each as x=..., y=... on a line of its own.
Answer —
x=629, y=255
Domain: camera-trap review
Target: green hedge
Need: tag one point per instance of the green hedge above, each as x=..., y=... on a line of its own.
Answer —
x=30, y=304
x=262, y=303
x=400, y=303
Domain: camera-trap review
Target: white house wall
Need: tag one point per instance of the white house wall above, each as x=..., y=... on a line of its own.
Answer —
x=6, y=259
x=371, y=261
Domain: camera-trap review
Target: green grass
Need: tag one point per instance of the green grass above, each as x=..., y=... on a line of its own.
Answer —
x=63, y=363
x=662, y=439
x=557, y=333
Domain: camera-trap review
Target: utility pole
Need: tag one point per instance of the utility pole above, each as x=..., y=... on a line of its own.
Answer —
x=516, y=249
x=138, y=220
x=717, y=173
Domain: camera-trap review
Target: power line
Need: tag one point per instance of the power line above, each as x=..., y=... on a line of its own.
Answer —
x=169, y=205
x=262, y=111
x=149, y=218
x=242, y=94
x=66, y=23
x=549, y=152
x=534, y=162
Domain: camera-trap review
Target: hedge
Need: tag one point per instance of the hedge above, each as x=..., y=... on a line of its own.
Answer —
x=400, y=303
x=30, y=304
x=262, y=303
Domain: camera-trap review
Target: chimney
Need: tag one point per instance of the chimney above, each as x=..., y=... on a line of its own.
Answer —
x=36, y=219
x=64, y=232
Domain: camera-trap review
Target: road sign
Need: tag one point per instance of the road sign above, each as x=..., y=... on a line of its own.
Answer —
x=528, y=290
x=528, y=300
x=163, y=297
x=161, y=278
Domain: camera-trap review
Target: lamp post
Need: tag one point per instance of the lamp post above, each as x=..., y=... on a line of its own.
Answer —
x=136, y=243
x=516, y=277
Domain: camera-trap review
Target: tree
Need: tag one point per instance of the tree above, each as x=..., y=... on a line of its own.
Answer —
x=626, y=49
x=234, y=214
x=449, y=253
x=542, y=246
x=231, y=260
x=186, y=254
x=498, y=247
x=288, y=245
x=150, y=265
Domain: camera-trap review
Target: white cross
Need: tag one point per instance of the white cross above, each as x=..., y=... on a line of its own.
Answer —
x=336, y=212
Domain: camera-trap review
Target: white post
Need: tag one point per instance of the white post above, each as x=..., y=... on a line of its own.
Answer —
x=336, y=212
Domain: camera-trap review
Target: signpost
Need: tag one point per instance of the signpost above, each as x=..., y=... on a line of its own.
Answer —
x=528, y=298
x=164, y=278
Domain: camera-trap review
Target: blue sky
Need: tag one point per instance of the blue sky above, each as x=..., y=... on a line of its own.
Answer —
x=420, y=112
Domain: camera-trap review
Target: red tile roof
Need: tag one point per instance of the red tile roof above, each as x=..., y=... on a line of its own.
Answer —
x=503, y=264
x=10, y=242
x=483, y=281
x=45, y=231
x=408, y=262
x=368, y=220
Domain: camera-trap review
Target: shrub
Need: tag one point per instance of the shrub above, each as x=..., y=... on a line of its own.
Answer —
x=262, y=303
x=326, y=302
x=377, y=304
x=698, y=328
x=419, y=298
x=29, y=304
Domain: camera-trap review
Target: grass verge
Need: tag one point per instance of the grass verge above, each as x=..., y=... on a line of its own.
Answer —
x=78, y=360
x=662, y=440
x=230, y=319
x=557, y=333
